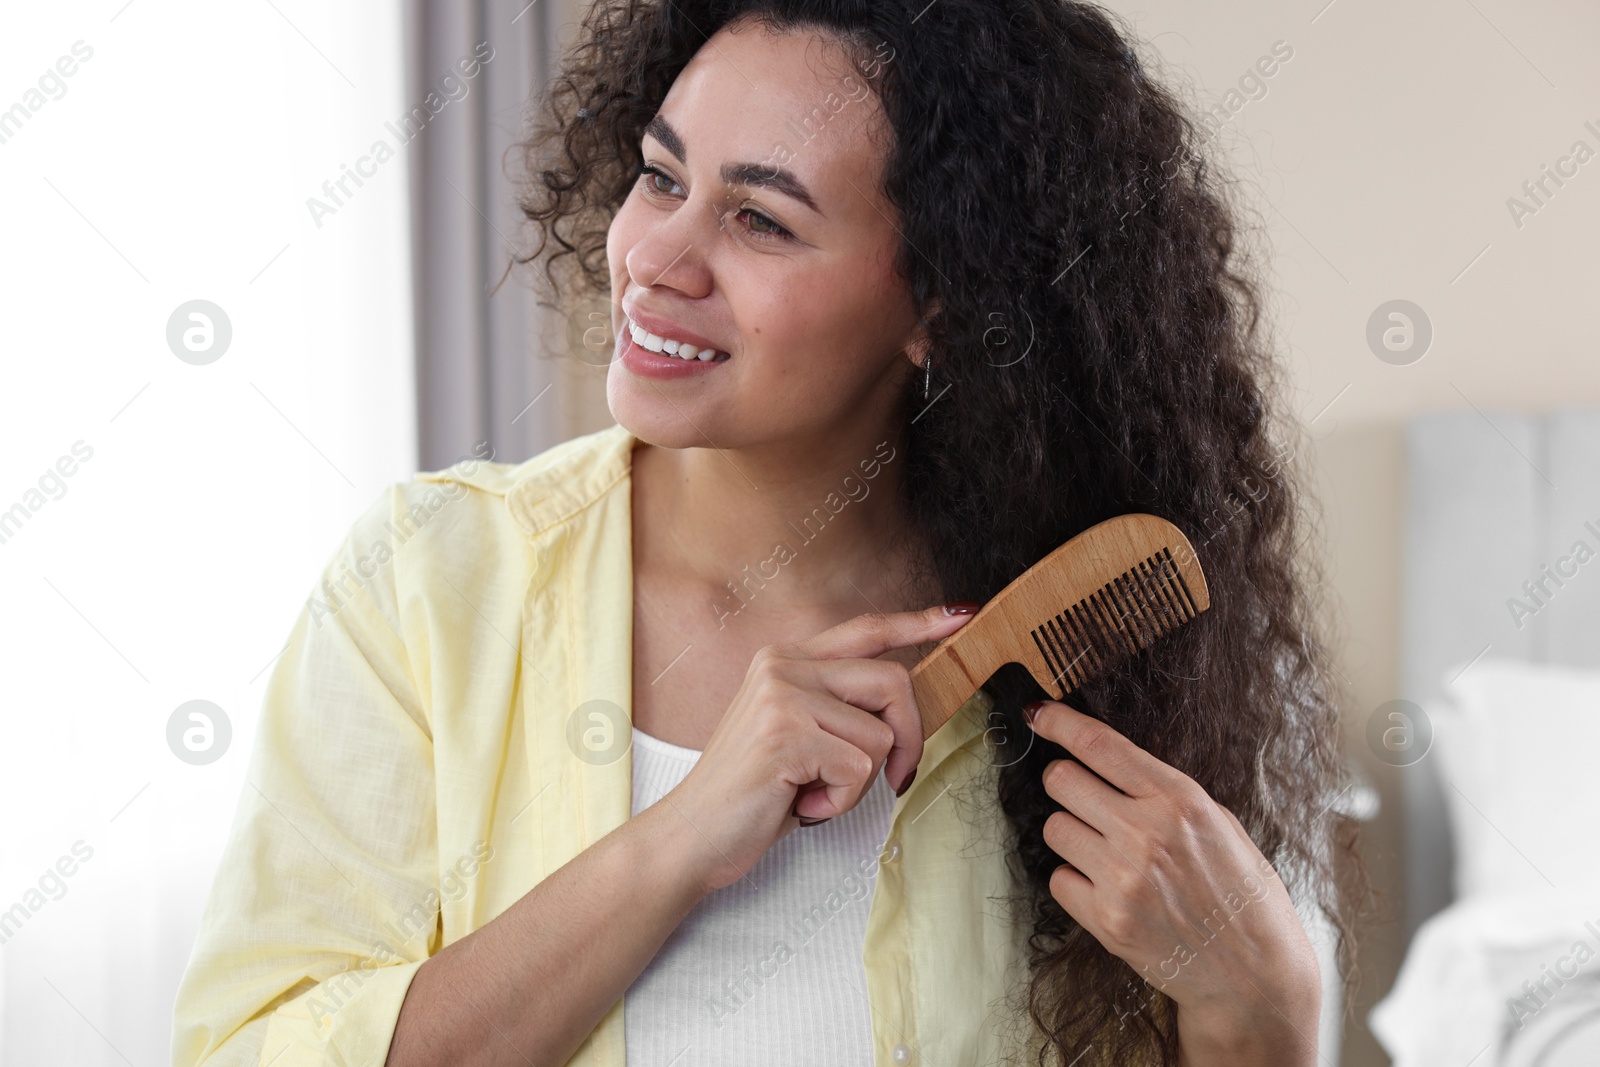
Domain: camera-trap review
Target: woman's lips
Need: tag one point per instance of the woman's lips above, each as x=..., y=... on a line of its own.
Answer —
x=659, y=365
x=672, y=335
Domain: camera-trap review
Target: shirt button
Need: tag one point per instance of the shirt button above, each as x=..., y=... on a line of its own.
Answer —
x=891, y=852
x=901, y=1054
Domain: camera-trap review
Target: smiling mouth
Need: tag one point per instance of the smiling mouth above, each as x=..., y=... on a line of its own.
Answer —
x=668, y=346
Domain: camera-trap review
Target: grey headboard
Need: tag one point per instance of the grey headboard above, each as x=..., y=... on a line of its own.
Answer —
x=1492, y=500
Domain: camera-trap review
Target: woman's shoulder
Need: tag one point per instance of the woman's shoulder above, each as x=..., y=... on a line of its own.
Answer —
x=468, y=524
x=543, y=489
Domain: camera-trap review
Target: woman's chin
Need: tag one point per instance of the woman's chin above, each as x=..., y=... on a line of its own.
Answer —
x=651, y=417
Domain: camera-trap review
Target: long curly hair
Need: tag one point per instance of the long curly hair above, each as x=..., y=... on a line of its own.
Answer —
x=1095, y=345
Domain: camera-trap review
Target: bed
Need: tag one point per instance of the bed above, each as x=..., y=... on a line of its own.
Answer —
x=1501, y=663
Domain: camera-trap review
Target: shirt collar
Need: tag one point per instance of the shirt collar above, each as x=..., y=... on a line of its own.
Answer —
x=559, y=484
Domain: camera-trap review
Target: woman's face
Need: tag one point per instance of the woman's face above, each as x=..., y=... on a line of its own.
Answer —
x=758, y=230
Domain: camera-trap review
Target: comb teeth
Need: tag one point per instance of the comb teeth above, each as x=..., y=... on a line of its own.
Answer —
x=1127, y=614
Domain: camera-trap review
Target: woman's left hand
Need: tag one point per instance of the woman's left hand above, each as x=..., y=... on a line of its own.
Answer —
x=1167, y=879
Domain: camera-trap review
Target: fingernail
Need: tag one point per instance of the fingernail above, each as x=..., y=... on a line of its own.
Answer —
x=907, y=783
x=812, y=822
x=962, y=607
x=1030, y=709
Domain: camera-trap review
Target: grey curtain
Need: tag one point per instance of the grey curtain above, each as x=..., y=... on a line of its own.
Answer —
x=473, y=69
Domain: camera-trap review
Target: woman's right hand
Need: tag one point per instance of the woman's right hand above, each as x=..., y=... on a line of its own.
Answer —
x=823, y=710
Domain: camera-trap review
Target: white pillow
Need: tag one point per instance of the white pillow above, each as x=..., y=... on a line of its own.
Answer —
x=1519, y=752
x=1457, y=994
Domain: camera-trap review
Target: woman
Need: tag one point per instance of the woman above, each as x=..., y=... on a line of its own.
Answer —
x=904, y=295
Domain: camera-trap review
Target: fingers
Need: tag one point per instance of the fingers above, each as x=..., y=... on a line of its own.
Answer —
x=873, y=634
x=1076, y=788
x=881, y=707
x=865, y=707
x=1079, y=844
x=1093, y=885
x=1101, y=749
x=846, y=773
x=1074, y=893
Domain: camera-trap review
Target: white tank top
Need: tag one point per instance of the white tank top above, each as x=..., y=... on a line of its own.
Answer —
x=767, y=970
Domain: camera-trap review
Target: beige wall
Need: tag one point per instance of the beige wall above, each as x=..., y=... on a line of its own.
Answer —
x=1378, y=165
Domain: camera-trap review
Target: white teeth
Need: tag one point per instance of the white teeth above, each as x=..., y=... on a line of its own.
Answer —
x=676, y=349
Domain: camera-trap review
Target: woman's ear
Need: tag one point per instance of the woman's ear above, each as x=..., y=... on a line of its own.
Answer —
x=917, y=348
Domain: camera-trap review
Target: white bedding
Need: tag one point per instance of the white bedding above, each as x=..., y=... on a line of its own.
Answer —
x=1500, y=981
x=1509, y=975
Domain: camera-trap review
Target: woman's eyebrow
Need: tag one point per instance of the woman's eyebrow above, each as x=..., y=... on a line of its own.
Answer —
x=750, y=175
x=662, y=130
x=766, y=176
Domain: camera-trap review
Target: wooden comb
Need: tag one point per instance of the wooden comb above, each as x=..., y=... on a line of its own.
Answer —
x=1104, y=595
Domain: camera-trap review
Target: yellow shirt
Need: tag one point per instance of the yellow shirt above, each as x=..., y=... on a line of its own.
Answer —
x=415, y=773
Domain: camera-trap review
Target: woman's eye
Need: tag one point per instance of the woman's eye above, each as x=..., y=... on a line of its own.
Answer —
x=659, y=181
x=761, y=225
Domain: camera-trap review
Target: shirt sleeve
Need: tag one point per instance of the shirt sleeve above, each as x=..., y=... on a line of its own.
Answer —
x=326, y=899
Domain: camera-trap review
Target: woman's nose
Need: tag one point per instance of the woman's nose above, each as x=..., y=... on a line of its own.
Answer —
x=673, y=252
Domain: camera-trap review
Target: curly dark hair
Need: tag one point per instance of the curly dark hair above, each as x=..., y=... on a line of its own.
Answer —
x=1096, y=346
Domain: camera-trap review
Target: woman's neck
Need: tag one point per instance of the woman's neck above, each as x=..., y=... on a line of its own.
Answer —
x=801, y=529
